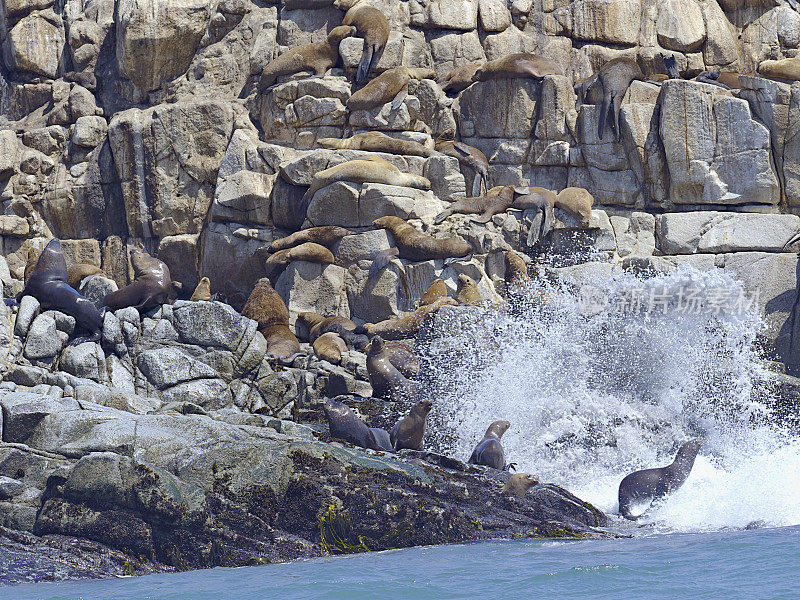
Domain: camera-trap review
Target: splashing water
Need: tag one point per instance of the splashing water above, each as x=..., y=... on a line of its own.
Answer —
x=595, y=390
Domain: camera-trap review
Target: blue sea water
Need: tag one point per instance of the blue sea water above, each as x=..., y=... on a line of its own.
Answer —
x=762, y=564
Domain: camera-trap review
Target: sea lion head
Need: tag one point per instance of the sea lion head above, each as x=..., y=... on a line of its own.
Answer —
x=690, y=448
x=497, y=429
x=334, y=408
x=519, y=483
x=376, y=346
x=51, y=264
x=341, y=32
x=670, y=65
x=422, y=408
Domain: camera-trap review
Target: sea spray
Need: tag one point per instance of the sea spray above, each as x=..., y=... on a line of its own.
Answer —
x=610, y=376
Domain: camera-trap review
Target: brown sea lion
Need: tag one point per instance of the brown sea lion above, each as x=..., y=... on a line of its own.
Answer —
x=518, y=65
x=402, y=356
x=516, y=277
x=461, y=77
x=497, y=200
x=202, y=293
x=519, y=484
x=266, y=307
x=409, y=432
x=329, y=346
x=435, y=291
x=372, y=25
x=327, y=324
x=489, y=451
x=415, y=245
x=307, y=251
x=317, y=325
x=317, y=57
x=80, y=271
x=614, y=78
x=48, y=284
x=657, y=483
x=400, y=328
x=468, y=157
x=375, y=141
x=389, y=86
x=385, y=379
x=467, y=292
x=343, y=424
x=576, y=201
x=151, y=285
x=327, y=235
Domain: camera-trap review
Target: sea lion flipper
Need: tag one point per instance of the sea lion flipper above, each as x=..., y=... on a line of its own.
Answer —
x=443, y=215
x=604, y=108
x=365, y=63
x=398, y=99
x=510, y=466
x=383, y=258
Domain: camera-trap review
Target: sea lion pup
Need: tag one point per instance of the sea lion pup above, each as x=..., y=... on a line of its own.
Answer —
x=202, y=293
x=467, y=292
x=518, y=65
x=401, y=328
x=329, y=346
x=614, y=78
x=343, y=424
x=389, y=86
x=308, y=251
x=151, y=285
x=80, y=271
x=326, y=236
x=417, y=246
x=519, y=484
x=48, y=284
x=497, y=200
x=435, y=291
x=317, y=57
x=489, y=451
x=461, y=77
x=375, y=141
x=385, y=379
x=266, y=307
x=372, y=25
x=468, y=157
x=409, y=431
x=576, y=201
x=657, y=483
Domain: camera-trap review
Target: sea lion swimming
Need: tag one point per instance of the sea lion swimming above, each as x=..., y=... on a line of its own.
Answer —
x=152, y=285
x=389, y=86
x=415, y=245
x=317, y=57
x=519, y=484
x=409, y=431
x=489, y=451
x=329, y=346
x=326, y=236
x=202, y=293
x=307, y=251
x=518, y=65
x=497, y=200
x=401, y=328
x=375, y=141
x=372, y=25
x=657, y=483
x=266, y=307
x=48, y=284
x=343, y=424
x=385, y=379
x=467, y=292
x=80, y=271
x=461, y=77
x=468, y=157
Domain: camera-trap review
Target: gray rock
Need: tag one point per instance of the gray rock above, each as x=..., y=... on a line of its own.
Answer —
x=64, y=323
x=306, y=286
x=85, y=360
x=166, y=367
x=22, y=412
x=212, y=324
x=362, y=246
x=28, y=309
x=42, y=340
x=97, y=287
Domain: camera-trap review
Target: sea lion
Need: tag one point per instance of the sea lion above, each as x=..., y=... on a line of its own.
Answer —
x=372, y=25
x=461, y=77
x=576, y=201
x=787, y=69
x=329, y=346
x=307, y=251
x=266, y=307
x=385, y=379
x=375, y=141
x=389, y=86
x=468, y=157
x=318, y=325
x=48, y=284
x=516, y=277
x=657, y=483
x=326, y=236
x=415, y=245
x=518, y=65
x=382, y=259
x=343, y=424
x=489, y=451
x=80, y=271
x=435, y=291
x=540, y=199
x=152, y=285
x=400, y=328
x=327, y=325
x=467, y=292
x=317, y=57
x=402, y=357
x=497, y=200
x=519, y=484
x=408, y=432
x=614, y=77
x=588, y=91
x=202, y=293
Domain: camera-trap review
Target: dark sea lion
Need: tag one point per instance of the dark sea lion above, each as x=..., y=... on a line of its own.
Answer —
x=467, y=292
x=614, y=78
x=80, y=271
x=497, y=200
x=152, y=285
x=589, y=91
x=48, y=284
x=317, y=57
x=328, y=324
x=657, y=483
x=461, y=77
x=385, y=379
x=402, y=357
x=343, y=424
x=468, y=157
x=435, y=291
x=489, y=451
x=576, y=201
x=372, y=25
x=307, y=251
x=317, y=325
x=519, y=484
x=326, y=236
x=415, y=245
x=202, y=292
x=518, y=65
x=266, y=307
x=409, y=431
x=329, y=346
x=389, y=86
x=375, y=141
x=401, y=328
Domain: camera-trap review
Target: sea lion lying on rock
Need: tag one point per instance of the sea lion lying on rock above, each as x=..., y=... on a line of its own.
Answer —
x=518, y=65
x=318, y=325
x=415, y=245
x=80, y=271
x=329, y=346
x=410, y=431
x=497, y=200
x=308, y=251
x=576, y=201
x=468, y=157
x=519, y=484
x=152, y=285
x=372, y=25
x=266, y=307
x=489, y=451
x=401, y=328
x=389, y=86
x=375, y=141
x=467, y=292
x=657, y=483
x=327, y=235
x=461, y=77
x=343, y=424
x=435, y=291
x=385, y=379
